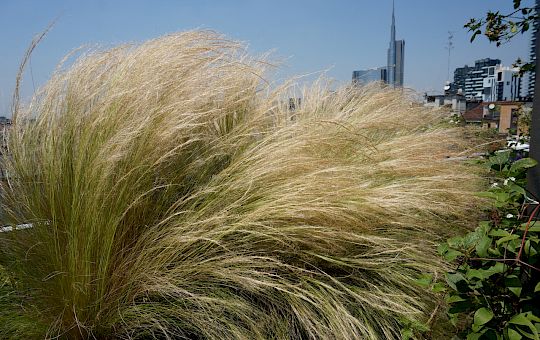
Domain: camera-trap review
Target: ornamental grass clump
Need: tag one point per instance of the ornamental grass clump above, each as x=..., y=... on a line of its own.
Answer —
x=173, y=193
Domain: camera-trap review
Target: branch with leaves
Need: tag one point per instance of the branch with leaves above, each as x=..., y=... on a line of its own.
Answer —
x=500, y=28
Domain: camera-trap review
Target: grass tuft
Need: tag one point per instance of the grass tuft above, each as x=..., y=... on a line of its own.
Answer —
x=174, y=194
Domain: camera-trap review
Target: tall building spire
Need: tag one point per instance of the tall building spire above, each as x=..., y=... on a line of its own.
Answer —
x=391, y=64
x=393, y=29
x=396, y=54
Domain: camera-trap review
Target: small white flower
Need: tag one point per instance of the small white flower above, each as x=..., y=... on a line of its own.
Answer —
x=513, y=179
x=509, y=216
x=494, y=185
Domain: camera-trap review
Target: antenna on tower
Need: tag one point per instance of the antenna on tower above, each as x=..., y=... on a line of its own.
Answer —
x=449, y=47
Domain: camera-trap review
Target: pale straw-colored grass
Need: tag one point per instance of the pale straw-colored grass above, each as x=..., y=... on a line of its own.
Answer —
x=173, y=194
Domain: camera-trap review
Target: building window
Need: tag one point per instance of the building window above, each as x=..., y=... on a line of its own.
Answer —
x=499, y=76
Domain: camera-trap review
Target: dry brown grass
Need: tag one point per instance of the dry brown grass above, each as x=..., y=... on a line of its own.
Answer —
x=173, y=195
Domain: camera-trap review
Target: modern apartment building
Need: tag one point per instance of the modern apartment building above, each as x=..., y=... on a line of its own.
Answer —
x=470, y=79
x=460, y=74
x=504, y=84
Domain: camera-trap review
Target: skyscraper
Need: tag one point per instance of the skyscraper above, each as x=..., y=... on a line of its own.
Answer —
x=532, y=76
x=396, y=56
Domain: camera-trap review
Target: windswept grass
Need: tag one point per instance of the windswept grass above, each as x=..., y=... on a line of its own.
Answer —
x=173, y=195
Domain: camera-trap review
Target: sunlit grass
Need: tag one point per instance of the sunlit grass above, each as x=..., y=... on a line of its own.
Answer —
x=173, y=194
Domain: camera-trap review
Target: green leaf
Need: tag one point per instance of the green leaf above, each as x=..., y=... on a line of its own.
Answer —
x=523, y=163
x=533, y=227
x=482, y=316
x=513, y=27
x=515, y=290
x=525, y=27
x=520, y=319
x=502, y=197
x=530, y=251
x=455, y=242
x=513, y=334
x=453, y=278
x=438, y=287
x=483, y=245
x=506, y=239
x=513, y=245
x=516, y=189
x=442, y=248
x=451, y=255
x=471, y=239
x=500, y=158
x=475, y=34
x=533, y=317
x=478, y=274
x=499, y=233
x=424, y=280
x=483, y=274
x=484, y=226
x=454, y=298
x=523, y=320
x=494, y=252
x=498, y=268
x=537, y=287
x=474, y=336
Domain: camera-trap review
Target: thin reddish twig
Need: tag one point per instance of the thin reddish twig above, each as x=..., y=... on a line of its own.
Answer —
x=504, y=260
x=518, y=258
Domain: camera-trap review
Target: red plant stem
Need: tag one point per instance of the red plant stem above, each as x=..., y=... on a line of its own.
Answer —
x=504, y=260
x=518, y=258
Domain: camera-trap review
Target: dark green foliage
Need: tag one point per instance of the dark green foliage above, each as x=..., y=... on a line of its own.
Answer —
x=494, y=292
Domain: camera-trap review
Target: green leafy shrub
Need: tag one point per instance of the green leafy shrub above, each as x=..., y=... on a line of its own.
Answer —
x=494, y=293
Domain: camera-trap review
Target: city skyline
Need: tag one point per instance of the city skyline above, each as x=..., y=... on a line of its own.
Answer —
x=308, y=36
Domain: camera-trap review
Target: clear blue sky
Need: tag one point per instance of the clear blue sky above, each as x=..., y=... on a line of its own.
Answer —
x=312, y=35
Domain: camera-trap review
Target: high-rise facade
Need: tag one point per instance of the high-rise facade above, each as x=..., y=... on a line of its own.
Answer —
x=470, y=79
x=363, y=77
x=503, y=85
x=460, y=74
x=396, y=57
x=532, y=55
